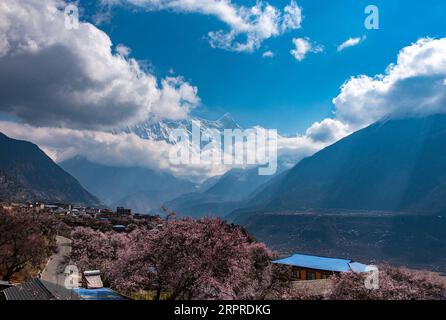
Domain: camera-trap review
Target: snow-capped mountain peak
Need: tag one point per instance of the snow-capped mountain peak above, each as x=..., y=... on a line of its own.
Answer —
x=161, y=130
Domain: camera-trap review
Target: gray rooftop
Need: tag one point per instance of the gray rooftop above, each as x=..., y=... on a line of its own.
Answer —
x=38, y=289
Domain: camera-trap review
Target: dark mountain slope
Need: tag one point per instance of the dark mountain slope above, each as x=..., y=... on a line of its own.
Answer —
x=28, y=174
x=227, y=194
x=395, y=165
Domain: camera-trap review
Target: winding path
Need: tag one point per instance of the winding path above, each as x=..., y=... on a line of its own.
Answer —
x=54, y=270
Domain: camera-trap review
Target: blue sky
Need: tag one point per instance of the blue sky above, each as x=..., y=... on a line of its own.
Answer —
x=279, y=92
x=64, y=88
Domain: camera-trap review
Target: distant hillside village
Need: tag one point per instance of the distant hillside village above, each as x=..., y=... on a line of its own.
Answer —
x=120, y=255
x=63, y=210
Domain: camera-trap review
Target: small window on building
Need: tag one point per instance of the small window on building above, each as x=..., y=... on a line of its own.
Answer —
x=296, y=274
x=311, y=275
x=325, y=276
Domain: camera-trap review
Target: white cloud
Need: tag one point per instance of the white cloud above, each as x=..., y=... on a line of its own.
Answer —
x=176, y=92
x=123, y=50
x=121, y=149
x=248, y=26
x=412, y=86
x=351, y=42
x=268, y=54
x=127, y=149
x=327, y=131
x=292, y=17
x=303, y=46
x=51, y=75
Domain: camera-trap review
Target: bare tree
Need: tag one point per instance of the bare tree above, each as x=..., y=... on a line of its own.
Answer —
x=26, y=240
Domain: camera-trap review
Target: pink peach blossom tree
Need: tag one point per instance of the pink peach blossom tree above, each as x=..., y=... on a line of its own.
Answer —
x=182, y=259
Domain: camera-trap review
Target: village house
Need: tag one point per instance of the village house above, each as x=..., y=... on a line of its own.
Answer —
x=38, y=289
x=121, y=211
x=93, y=288
x=119, y=227
x=308, y=267
x=92, y=212
x=105, y=214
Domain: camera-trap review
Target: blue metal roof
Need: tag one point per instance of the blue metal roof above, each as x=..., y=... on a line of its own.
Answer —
x=322, y=263
x=99, y=294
